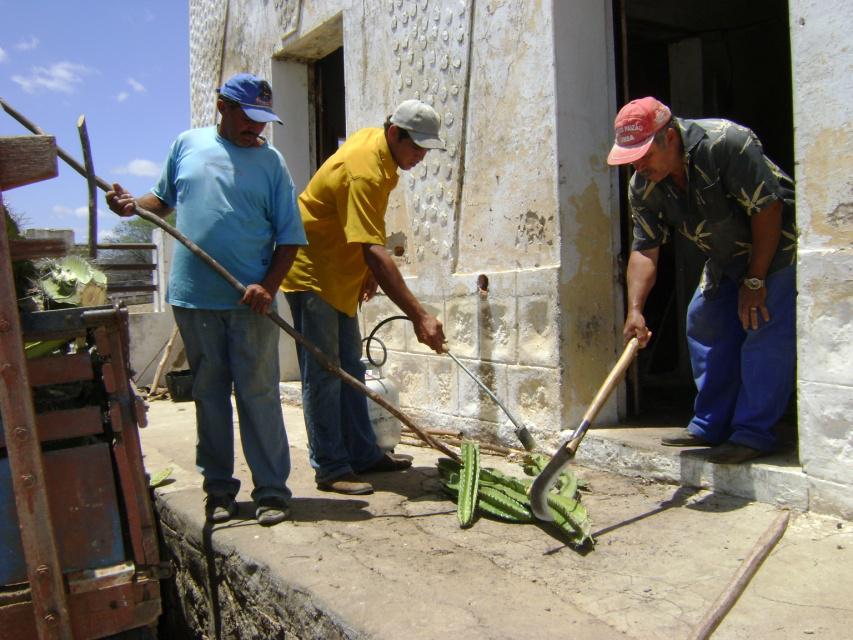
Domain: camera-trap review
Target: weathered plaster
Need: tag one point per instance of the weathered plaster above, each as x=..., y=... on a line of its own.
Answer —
x=822, y=59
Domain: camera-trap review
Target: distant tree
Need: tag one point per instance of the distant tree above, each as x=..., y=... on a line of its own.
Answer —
x=132, y=230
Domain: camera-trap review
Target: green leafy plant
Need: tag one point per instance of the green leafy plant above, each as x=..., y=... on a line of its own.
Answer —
x=503, y=497
x=70, y=281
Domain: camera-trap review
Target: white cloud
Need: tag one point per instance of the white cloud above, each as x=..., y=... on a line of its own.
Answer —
x=139, y=167
x=27, y=45
x=137, y=86
x=122, y=96
x=62, y=76
x=77, y=212
x=3, y=55
x=61, y=210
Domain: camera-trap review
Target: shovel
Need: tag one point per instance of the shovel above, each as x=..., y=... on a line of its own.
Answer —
x=315, y=351
x=548, y=478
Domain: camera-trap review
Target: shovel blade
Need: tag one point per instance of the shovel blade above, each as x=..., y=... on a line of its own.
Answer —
x=546, y=480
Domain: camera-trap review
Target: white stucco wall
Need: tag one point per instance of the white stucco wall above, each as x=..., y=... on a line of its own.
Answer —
x=823, y=139
x=523, y=196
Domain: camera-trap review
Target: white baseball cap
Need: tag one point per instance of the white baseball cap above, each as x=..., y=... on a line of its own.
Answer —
x=420, y=121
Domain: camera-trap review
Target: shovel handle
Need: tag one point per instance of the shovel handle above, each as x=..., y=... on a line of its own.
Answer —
x=564, y=454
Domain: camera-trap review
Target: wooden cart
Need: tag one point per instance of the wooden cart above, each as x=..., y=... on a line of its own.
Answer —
x=79, y=553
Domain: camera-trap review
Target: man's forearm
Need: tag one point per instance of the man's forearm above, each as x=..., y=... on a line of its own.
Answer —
x=642, y=273
x=280, y=263
x=391, y=280
x=152, y=203
x=766, y=231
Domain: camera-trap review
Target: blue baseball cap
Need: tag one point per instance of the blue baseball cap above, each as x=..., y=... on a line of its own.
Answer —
x=252, y=94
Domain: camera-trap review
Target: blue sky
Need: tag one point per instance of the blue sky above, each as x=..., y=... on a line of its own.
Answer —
x=122, y=64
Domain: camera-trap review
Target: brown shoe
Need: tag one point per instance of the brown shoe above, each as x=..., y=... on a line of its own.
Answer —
x=732, y=453
x=389, y=462
x=684, y=439
x=349, y=484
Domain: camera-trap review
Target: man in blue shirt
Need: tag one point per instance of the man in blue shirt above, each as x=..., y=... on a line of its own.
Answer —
x=235, y=199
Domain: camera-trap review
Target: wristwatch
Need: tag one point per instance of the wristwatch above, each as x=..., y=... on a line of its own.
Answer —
x=753, y=283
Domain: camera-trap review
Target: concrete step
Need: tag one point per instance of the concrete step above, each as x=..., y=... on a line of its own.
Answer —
x=636, y=451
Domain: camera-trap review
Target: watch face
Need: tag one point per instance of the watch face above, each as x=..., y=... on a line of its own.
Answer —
x=753, y=283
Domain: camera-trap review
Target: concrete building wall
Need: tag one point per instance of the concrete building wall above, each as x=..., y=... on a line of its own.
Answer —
x=823, y=147
x=523, y=196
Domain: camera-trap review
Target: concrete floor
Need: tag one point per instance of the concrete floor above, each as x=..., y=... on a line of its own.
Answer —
x=396, y=564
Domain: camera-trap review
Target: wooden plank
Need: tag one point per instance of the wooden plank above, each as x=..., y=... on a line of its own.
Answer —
x=50, y=604
x=25, y=249
x=67, y=423
x=59, y=369
x=84, y=509
x=94, y=614
x=26, y=159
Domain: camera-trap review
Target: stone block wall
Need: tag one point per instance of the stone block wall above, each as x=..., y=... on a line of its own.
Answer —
x=823, y=146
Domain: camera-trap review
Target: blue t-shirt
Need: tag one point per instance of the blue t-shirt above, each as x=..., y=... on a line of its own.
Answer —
x=236, y=203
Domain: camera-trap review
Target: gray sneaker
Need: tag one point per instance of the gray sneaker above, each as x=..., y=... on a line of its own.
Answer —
x=271, y=511
x=219, y=508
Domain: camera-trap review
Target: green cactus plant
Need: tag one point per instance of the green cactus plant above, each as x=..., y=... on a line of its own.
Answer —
x=495, y=494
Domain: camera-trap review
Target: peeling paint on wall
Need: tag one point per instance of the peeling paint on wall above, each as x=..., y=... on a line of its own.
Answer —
x=827, y=161
x=587, y=327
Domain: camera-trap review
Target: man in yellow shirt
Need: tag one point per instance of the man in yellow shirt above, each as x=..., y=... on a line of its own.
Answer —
x=343, y=212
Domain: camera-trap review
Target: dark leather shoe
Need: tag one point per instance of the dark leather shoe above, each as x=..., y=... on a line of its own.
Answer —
x=684, y=439
x=732, y=453
x=349, y=484
x=389, y=462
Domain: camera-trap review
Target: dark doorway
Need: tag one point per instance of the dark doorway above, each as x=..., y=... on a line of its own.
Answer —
x=329, y=104
x=728, y=59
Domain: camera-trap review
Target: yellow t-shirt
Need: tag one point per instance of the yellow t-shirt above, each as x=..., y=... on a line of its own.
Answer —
x=342, y=208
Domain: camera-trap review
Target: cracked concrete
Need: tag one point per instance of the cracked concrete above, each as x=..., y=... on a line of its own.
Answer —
x=396, y=564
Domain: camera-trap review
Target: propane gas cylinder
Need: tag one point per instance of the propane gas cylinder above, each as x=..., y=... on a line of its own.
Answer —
x=385, y=426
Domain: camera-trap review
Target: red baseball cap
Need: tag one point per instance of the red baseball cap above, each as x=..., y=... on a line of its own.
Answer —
x=636, y=125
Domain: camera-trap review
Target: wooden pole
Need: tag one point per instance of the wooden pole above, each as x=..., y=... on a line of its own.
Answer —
x=92, y=186
x=163, y=361
x=726, y=600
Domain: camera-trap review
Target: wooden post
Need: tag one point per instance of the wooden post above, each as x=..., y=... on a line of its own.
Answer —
x=50, y=602
x=93, y=186
x=726, y=600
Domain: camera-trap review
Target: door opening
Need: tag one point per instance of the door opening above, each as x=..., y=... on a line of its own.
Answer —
x=329, y=104
x=728, y=59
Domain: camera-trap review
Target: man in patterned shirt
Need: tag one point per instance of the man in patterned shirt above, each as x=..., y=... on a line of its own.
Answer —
x=710, y=180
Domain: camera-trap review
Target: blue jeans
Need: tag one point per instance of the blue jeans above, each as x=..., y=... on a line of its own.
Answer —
x=744, y=378
x=239, y=347
x=340, y=437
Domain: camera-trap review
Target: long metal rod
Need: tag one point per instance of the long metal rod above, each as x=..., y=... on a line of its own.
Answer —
x=520, y=430
x=213, y=264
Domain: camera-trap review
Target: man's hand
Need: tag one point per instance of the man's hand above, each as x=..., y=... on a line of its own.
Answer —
x=368, y=288
x=751, y=304
x=257, y=298
x=120, y=201
x=635, y=325
x=430, y=332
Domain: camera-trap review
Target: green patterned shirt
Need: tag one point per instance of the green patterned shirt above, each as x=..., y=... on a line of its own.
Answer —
x=728, y=179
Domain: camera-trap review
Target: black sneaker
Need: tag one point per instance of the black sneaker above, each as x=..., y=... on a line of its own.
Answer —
x=219, y=508
x=271, y=510
x=684, y=439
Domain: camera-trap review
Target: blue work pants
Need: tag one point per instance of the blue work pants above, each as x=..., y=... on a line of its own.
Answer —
x=236, y=347
x=744, y=379
x=340, y=437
